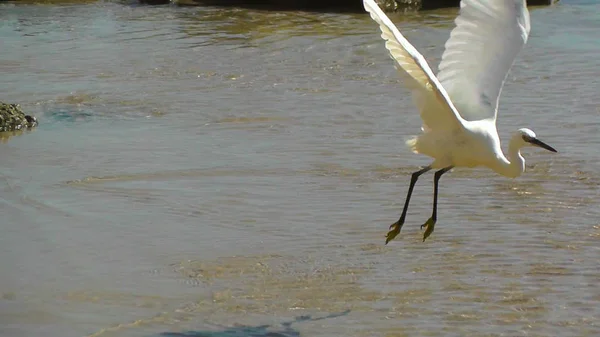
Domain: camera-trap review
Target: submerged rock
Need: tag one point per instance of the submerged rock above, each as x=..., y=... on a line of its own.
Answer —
x=13, y=118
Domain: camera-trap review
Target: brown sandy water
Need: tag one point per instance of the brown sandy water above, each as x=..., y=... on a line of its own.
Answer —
x=231, y=172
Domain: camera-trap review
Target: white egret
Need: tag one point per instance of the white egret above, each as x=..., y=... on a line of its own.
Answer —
x=459, y=107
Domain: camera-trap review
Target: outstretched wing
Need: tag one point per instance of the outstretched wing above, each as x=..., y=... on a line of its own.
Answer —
x=482, y=48
x=436, y=108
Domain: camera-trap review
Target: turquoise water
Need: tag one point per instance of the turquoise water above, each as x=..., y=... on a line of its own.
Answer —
x=232, y=171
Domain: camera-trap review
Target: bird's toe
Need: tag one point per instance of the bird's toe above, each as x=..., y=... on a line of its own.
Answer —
x=394, y=231
x=429, y=227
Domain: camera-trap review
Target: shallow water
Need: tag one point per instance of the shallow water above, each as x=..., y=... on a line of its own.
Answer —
x=232, y=172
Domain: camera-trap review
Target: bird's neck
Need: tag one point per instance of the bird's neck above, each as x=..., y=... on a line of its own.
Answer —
x=514, y=166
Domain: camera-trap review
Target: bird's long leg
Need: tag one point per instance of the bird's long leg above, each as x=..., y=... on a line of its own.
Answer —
x=397, y=226
x=430, y=224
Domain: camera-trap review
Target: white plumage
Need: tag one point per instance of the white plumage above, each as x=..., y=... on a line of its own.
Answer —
x=459, y=107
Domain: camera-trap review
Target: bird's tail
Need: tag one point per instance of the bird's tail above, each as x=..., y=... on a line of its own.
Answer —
x=412, y=144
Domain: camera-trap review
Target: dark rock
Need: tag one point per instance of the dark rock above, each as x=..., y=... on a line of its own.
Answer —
x=13, y=118
x=329, y=5
x=155, y=2
x=276, y=5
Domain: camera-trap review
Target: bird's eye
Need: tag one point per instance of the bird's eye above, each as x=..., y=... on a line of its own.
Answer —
x=526, y=138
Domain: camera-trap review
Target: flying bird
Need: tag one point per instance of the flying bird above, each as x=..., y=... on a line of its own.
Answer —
x=459, y=107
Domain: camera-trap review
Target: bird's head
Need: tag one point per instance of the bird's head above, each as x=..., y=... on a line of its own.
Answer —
x=528, y=138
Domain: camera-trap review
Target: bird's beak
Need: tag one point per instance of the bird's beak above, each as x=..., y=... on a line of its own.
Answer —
x=539, y=143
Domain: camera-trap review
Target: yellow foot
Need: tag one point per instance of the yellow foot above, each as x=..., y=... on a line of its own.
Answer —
x=394, y=230
x=429, y=226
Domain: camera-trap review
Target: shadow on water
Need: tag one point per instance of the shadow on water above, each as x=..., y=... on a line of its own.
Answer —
x=285, y=330
x=242, y=24
x=250, y=27
x=6, y=135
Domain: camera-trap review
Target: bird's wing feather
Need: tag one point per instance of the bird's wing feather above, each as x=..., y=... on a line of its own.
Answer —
x=479, y=53
x=436, y=108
